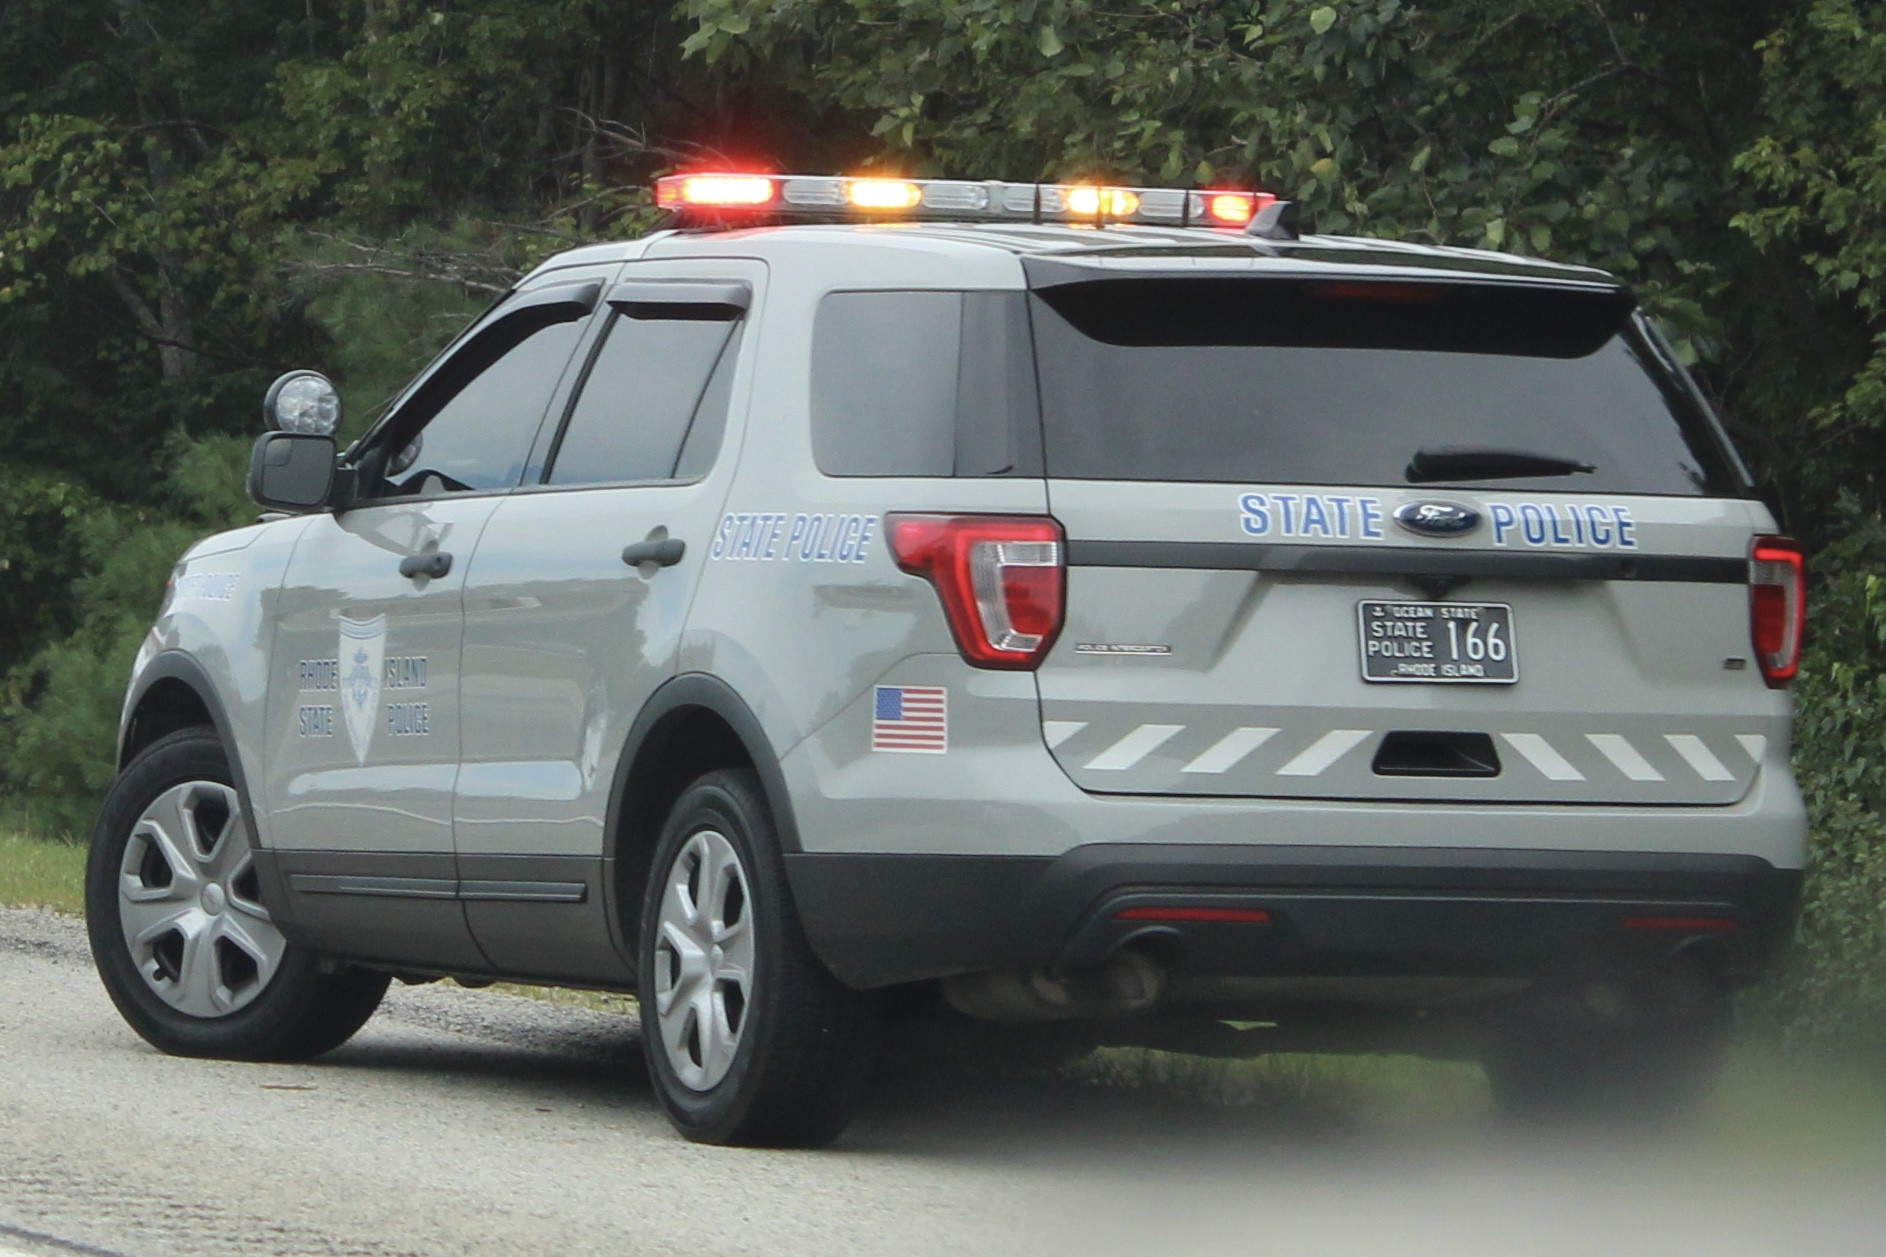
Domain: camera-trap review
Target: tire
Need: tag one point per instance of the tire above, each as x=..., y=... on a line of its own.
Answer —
x=1554, y=1061
x=181, y=939
x=749, y=1039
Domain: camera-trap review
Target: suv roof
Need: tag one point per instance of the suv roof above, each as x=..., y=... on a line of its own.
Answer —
x=1129, y=248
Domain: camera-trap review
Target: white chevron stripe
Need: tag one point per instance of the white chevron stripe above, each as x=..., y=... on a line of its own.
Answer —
x=1059, y=731
x=1316, y=758
x=1755, y=744
x=1229, y=749
x=1542, y=755
x=1132, y=748
x=1618, y=749
x=1697, y=755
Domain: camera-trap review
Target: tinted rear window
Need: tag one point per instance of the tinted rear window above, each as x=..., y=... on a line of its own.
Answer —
x=1319, y=382
x=923, y=384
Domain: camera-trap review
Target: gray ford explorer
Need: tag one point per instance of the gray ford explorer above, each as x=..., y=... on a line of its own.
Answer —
x=1101, y=612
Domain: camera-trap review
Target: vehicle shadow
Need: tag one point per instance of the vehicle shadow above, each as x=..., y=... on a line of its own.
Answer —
x=1132, y=1106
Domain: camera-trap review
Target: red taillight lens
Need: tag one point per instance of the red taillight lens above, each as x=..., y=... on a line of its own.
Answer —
x=1777, y=607
x=1002, y=580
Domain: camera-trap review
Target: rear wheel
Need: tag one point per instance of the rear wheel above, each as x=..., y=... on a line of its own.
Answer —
x=749, y=1039
x=183, y=942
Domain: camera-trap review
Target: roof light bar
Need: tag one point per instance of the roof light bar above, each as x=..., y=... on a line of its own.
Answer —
x=720, y=197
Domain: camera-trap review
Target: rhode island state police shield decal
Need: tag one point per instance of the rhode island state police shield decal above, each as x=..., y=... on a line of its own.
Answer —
x=362, y=654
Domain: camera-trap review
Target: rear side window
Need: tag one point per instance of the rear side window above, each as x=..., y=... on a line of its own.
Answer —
x=654, y=403
x=1321, y=382
x=923, y=384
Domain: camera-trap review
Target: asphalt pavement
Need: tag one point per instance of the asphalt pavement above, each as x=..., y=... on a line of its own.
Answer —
x=473, y=1122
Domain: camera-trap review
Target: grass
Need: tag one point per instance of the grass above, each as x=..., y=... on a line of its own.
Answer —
x=39, y=874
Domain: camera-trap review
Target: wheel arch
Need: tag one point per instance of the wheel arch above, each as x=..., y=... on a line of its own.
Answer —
x=694, y=724
x=175, y=692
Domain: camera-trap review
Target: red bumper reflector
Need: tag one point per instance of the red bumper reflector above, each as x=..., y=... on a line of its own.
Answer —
x=1692, y=925
x=1215, y=916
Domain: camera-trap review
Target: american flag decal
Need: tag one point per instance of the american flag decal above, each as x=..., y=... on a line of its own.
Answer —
x=911, y=718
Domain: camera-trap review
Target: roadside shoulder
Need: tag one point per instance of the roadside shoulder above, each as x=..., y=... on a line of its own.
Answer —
x=44, y=933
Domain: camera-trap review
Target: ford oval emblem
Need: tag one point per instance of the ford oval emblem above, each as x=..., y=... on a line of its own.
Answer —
x=1437, y=519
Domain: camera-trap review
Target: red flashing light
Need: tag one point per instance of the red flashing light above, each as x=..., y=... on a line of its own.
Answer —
x=1777, y=607
x=1002, y=580
x=1688, y=925
x=1196, y=915
x=715, y=191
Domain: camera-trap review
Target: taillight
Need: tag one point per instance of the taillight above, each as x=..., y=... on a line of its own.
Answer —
x=1001, y=579
x=1777, y=607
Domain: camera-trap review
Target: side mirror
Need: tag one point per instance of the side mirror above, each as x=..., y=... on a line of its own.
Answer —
x=291, y=471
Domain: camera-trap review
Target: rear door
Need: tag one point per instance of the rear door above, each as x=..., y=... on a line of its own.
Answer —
x=575, y=603
x=1373, y=539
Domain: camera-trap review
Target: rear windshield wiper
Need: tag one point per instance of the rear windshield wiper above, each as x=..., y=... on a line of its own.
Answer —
x=1473, y=462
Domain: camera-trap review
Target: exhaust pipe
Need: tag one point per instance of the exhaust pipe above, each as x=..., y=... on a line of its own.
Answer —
x=1126, y=984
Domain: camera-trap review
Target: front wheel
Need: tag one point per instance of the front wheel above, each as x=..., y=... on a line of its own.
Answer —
x=749, y=1039
x=182, y=940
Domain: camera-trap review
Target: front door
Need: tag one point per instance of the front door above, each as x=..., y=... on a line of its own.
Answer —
x=575, y=604
x=364, y=728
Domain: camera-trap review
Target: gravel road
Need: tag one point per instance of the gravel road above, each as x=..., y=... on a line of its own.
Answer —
x=464, y=1122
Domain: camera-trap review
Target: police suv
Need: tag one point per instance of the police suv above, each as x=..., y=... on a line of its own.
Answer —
x=1095, y=609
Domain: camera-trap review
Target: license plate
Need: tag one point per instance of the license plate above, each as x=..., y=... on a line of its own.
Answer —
x=1438, y=643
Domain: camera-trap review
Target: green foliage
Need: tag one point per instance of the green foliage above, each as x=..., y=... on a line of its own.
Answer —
x=1819, y=168
x=59, y=708
x=431, y=102
x=1531, y=126
x=39, y=551
x=1836, y=982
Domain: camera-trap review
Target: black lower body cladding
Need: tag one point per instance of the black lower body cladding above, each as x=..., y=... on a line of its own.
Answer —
x=878, y=920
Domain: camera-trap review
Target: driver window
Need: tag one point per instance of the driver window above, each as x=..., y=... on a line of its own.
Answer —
x=480, y=439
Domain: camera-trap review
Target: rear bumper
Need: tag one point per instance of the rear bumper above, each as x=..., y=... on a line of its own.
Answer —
x=877, y=920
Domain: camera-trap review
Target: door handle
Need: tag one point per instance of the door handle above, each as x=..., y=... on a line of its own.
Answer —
x=425, y=566
x=664, y=550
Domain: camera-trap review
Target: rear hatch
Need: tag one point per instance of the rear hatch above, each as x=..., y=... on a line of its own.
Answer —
x=1374, y=537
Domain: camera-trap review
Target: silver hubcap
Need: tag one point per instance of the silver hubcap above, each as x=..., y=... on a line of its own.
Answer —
x=704, y=960
x=188, y=900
